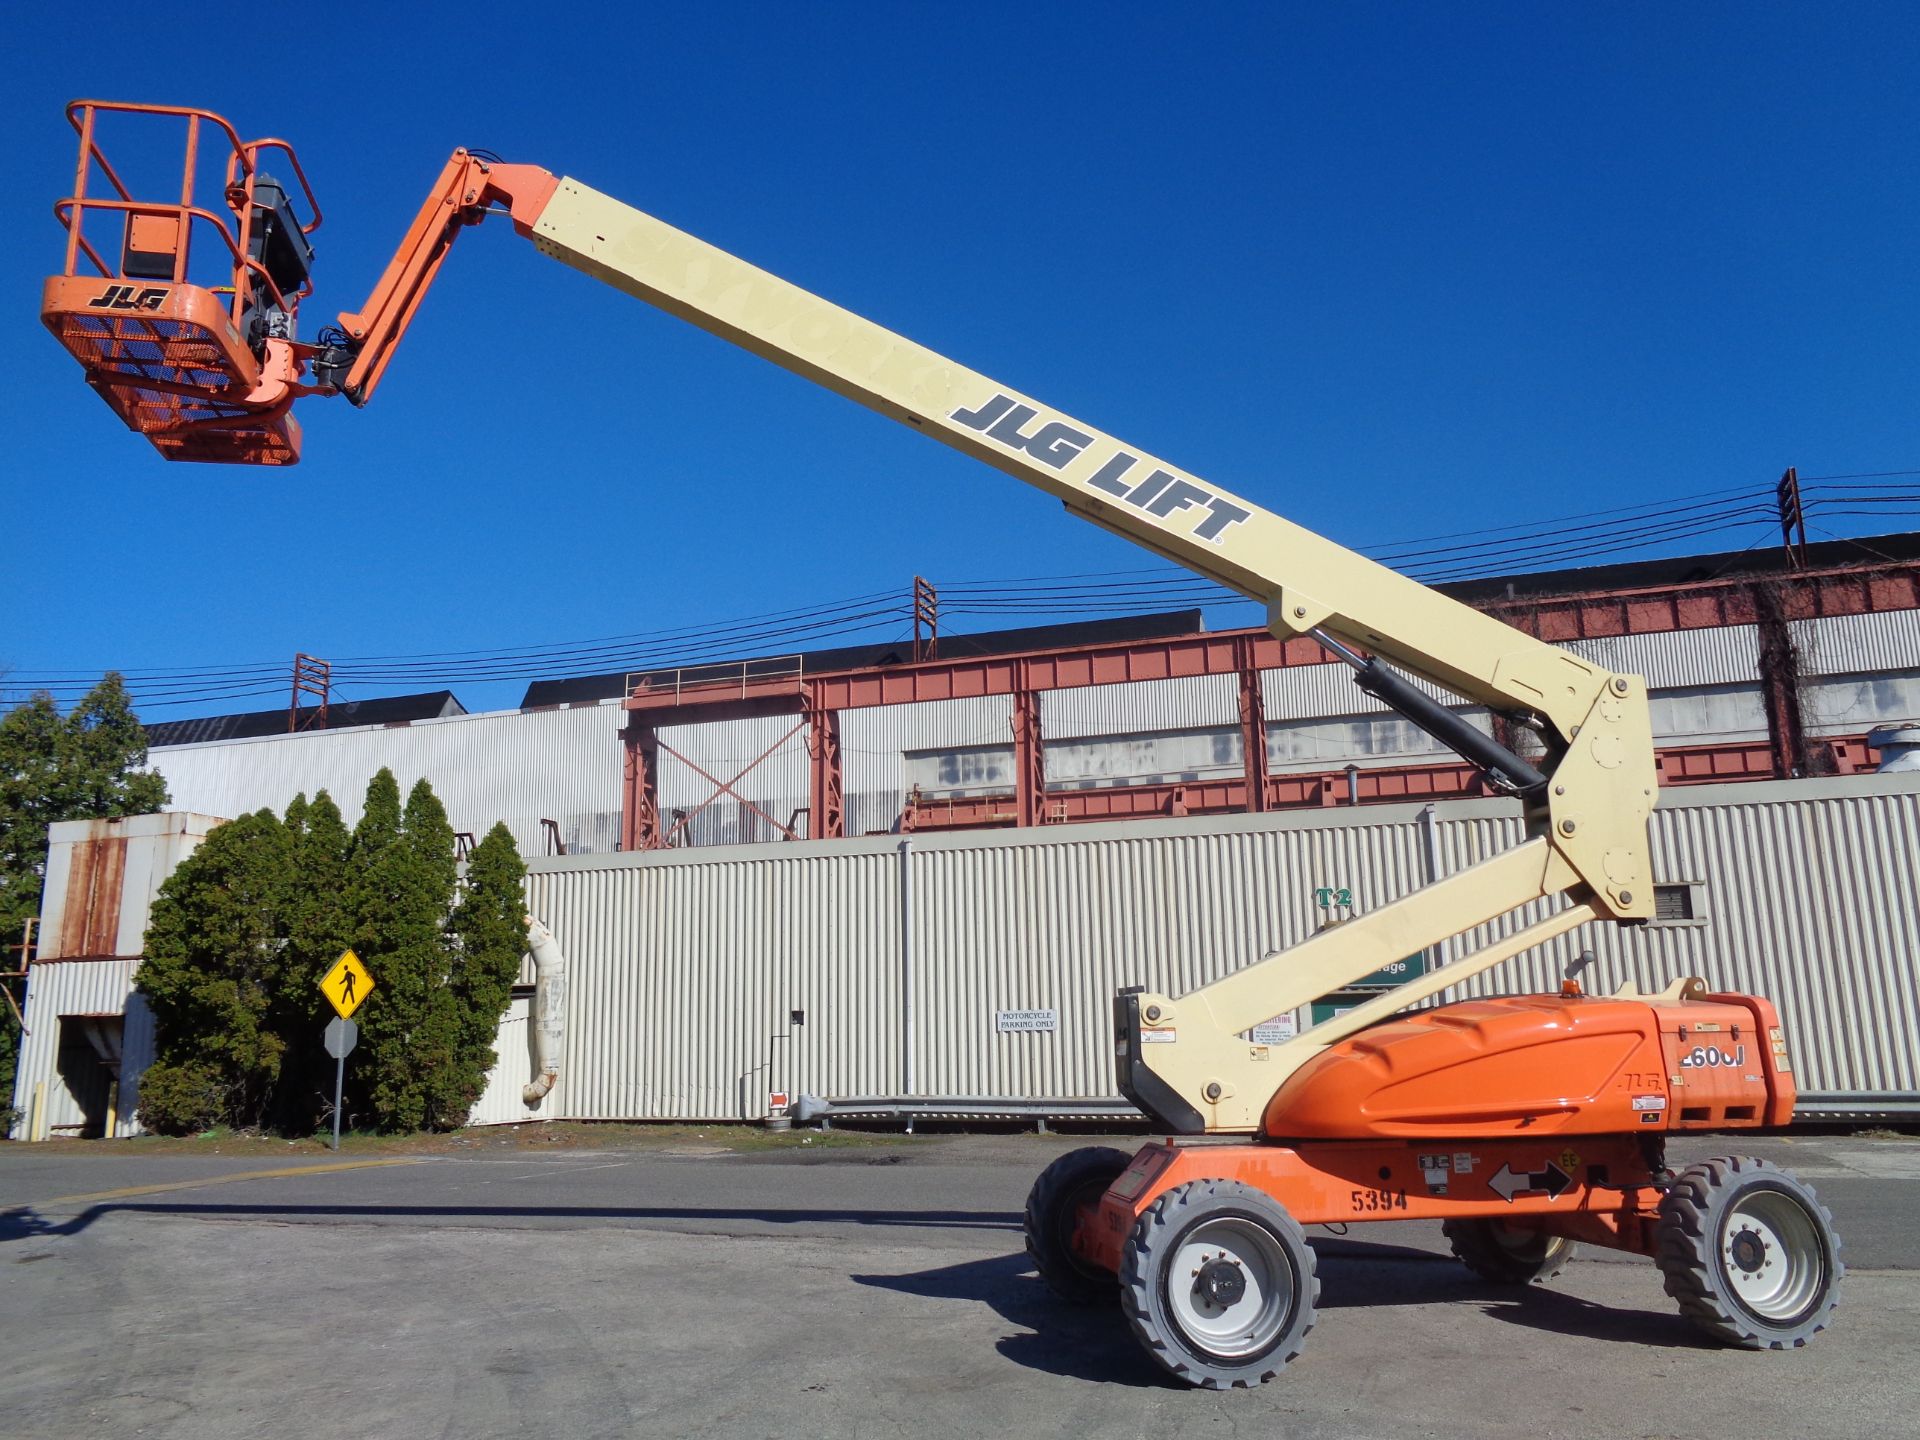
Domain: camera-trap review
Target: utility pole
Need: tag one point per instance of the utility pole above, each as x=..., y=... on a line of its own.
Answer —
x=926, y=609
x=1793, y=518
x=311, y=676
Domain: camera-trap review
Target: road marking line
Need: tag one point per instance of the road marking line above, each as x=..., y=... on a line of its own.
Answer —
x=569, y=1170
x=283, y=1172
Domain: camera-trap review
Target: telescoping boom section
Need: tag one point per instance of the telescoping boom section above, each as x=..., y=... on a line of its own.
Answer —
x=210, y=372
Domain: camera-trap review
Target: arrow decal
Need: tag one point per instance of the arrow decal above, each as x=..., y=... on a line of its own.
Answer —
x=1506, y=1184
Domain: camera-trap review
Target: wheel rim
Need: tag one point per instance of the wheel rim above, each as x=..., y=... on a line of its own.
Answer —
x=1230, y=1286
x=1773, y=1256
x=1524, y=1245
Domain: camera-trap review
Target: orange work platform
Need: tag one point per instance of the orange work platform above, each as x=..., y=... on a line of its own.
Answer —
x=195, y=353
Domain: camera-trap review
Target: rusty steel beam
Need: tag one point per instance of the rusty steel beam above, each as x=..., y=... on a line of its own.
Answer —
x=1253, y=726
x=1766, y=601
x=1029, y=758
x=640, y=795
x=826, y=797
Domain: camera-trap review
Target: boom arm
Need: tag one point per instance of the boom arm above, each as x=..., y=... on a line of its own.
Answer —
x=1184, y=1060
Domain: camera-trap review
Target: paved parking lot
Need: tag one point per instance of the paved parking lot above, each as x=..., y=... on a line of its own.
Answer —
x=865, y=1292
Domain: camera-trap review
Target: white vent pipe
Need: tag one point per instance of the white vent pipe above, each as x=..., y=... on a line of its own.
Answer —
x=549, y=1023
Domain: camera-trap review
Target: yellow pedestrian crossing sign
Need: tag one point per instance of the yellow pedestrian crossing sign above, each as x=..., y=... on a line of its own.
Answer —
x=347, y=984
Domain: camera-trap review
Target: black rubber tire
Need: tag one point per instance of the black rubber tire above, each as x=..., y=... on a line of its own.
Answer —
x=1700, y=1232
x=1065, y=1185
x=1148, y=1281
x=1505, y=1255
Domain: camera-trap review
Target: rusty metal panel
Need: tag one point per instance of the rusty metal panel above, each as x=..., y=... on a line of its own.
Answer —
x=90, y=914
x=514, y=765
x=102, y=876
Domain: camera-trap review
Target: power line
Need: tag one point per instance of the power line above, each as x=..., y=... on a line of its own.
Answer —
x=1461, y=555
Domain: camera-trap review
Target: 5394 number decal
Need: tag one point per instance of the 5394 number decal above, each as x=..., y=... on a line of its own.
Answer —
x=1373, y=1201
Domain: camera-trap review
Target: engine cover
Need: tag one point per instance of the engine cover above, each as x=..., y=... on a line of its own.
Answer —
x=1540, y=1065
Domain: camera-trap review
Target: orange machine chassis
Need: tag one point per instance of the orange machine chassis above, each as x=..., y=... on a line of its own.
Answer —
x=1604, y=1189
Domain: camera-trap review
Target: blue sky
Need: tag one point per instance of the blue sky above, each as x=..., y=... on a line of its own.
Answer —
x=1392, y=271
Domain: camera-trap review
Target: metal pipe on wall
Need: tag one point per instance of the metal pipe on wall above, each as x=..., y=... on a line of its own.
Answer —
x=906, y=967
x=1429, y=823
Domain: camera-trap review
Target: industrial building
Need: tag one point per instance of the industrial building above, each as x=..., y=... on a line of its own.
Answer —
x=1760, y=666
x=973, y=974
x=996, y=835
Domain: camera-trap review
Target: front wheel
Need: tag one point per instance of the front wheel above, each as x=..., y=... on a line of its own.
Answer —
x=1218, y=1283
x=1750, y=1253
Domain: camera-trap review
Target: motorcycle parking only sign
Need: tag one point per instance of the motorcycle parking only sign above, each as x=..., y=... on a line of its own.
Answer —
x=1025, y=1021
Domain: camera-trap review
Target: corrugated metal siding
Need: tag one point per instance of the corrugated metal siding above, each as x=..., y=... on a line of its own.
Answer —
x=684, y=964
x=1139, y=705
x=69, y=987
x=683, y=967
x=1015, y=926
x=500, y=1102
x=516, y=766
x=875, y=742
x=777, y=784
x=1856, y=644
x=1810, y=903
x=1721, y=655
x=1679, y=659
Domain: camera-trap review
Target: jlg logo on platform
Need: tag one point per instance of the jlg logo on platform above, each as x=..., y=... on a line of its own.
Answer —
x=125, y=297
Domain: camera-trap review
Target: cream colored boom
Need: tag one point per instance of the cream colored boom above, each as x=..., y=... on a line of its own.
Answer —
x=1590, y=834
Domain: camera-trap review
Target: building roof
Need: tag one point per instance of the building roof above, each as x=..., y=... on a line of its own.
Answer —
x=1770, y=559
x=384, y=710
x=577, y=689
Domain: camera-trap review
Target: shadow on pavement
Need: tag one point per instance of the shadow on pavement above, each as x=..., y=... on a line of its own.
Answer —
x=1357, y=1275
x=25, y=1223
x=1089, y=1342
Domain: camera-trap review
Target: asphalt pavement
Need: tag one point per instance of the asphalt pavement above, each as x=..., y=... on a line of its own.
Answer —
x=871, y=1291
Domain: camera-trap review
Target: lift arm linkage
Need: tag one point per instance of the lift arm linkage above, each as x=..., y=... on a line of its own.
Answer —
x=1187, y=1061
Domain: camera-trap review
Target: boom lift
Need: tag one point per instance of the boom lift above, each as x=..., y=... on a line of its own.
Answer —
x=1525, y=1123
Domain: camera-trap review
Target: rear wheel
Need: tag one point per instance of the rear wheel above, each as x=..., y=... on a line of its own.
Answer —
x=1065, y=1189
x=1750, y=1253
x=1502, y=1254
x=1218, y=1282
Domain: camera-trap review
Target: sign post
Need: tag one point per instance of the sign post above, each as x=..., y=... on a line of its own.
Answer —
x=346, y=986
x=342, y=1036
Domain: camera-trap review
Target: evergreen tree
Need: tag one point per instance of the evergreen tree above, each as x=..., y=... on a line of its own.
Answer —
x=85, y=765
x=318, y=926
x=490, y=937
x=214, y=964
x=402, y=900
x=244, y=929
